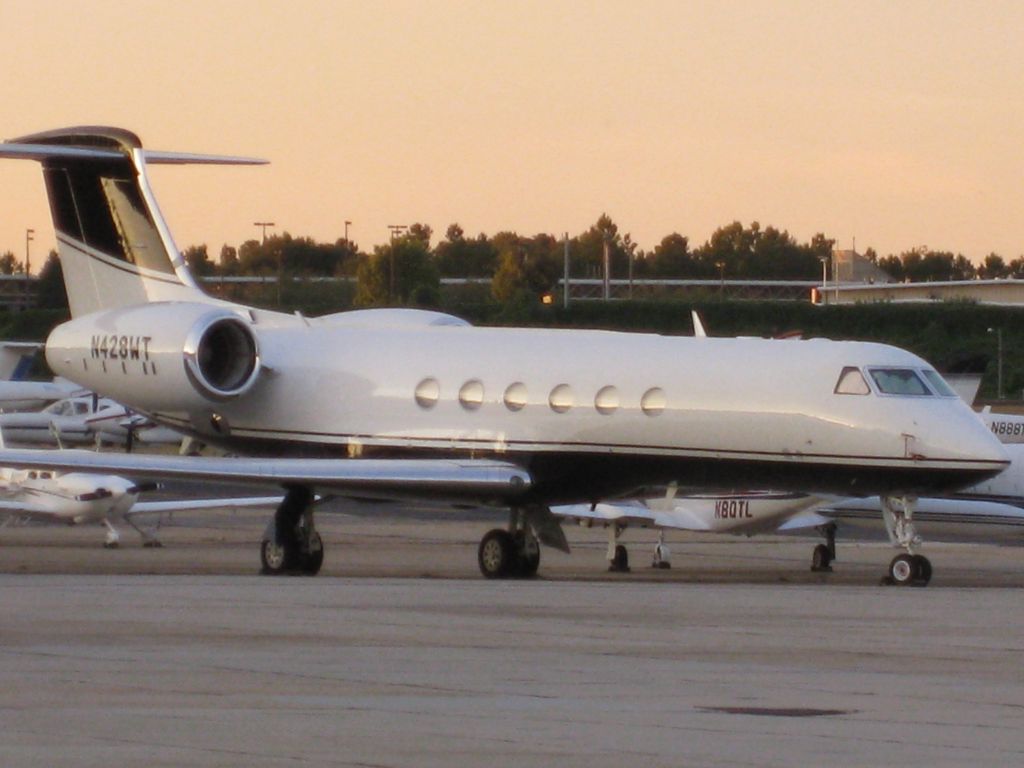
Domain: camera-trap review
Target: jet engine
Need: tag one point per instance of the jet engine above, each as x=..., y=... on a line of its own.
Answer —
x=180, y=355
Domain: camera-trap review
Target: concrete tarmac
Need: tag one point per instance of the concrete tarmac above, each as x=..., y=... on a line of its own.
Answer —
x=400, y=654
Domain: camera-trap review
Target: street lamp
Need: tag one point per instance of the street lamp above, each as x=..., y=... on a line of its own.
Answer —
x=28, y=239
x=999, y=361
x=263, y=226
x=347, y=223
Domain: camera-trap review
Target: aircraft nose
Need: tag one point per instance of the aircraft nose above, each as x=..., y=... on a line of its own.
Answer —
x=967, y=439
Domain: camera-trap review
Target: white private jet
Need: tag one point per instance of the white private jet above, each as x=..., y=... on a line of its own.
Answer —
x=991, y=511
x=402, y=403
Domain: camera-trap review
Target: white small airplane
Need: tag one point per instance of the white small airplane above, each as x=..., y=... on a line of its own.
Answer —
x=396, y=403
x=80, y=498
x=34, y=395
x=991, y=511
x=71, y=420
x=82, y=419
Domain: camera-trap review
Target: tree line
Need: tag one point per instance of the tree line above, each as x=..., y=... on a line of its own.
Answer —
x=408, y=269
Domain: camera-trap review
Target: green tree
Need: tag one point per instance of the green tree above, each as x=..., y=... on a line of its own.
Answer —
x=588, y=250
x=229, y=260
x=10, y=265
x=415, y=279
x=993, y=267
x=457, y=256
x=526, y=265
x=50, y=290
x=198, y=261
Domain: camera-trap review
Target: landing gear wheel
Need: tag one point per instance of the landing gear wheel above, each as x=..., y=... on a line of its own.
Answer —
x=923, y=568
x=497, y=554
x=903, y=570
x=275, y=558
x=620, y=563
x=313, y=560
x=529, y=562
x=821, y=559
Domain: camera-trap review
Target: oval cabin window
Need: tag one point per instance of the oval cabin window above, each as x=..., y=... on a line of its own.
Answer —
x=561, y=399
x=607, y=400
x=471, y=396
x=653, y=401
x=515, y=396
x=427, y=393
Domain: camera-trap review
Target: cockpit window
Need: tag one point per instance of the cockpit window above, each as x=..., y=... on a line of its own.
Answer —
x=851, y=382
x=899, y=381
x=939, y=384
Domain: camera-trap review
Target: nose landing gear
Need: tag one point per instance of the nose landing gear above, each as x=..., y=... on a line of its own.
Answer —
x=908, y=568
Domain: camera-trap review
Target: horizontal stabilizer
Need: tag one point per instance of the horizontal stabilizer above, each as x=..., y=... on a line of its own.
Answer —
x=56, y=151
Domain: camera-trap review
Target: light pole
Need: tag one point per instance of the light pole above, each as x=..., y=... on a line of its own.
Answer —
x=824, y=279
x=263, y=227
x=347, y=224
x=999, y=361
x=395, y=229
x=28, y=239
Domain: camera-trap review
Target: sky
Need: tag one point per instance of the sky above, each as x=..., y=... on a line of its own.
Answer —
x=893, y=125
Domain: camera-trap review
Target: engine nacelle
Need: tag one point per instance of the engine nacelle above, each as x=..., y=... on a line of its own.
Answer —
x=180, y=355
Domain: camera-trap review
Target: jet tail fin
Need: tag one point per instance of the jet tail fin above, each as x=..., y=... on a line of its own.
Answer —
x=114, y=245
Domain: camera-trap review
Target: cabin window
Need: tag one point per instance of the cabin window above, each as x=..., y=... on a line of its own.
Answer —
x=515, y=396
x=851, y=382
x=471, y=396
x=899, y=381
x=653, y=401
x=427, y=393
x=561, y=399
x=939, y=384
x=607, y=400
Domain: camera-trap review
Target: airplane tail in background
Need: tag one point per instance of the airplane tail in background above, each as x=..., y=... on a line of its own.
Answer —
x=114, y=245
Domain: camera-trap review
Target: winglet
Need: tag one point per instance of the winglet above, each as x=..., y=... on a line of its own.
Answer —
x=698, y=325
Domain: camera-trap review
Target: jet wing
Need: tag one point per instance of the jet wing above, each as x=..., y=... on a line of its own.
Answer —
x=477, y=480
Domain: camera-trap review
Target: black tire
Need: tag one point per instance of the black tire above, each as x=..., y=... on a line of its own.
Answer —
x=496, y=555
x=821, y=560
x=924, y=570
x=314, y=560
x=903, y=570
x=529, y=563
x=620, y=563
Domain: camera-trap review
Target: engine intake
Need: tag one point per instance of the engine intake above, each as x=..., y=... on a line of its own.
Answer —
x=222, y=357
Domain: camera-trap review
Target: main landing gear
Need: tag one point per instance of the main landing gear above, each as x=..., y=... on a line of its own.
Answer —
x=514, y=553
x=908, y=568
x=291, y=544
x=824, y=554
x=618, y=555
